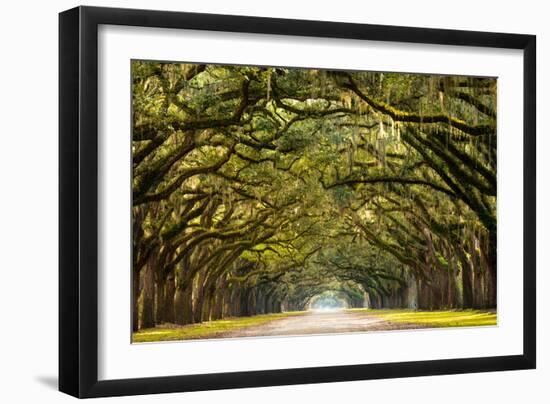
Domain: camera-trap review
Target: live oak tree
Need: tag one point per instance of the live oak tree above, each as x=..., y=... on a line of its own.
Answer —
x=256, y=189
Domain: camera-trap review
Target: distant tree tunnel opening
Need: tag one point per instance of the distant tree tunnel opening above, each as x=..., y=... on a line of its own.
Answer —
x=263, y=190
x=328, y=300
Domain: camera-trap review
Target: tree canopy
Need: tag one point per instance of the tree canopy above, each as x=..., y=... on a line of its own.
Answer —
x=256, y=189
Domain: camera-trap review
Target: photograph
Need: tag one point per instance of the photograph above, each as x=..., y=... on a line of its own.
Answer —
x=272, y=201
x=254, y=202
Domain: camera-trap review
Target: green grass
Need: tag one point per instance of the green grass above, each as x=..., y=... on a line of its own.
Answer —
x=207, y=329
x=440, y=318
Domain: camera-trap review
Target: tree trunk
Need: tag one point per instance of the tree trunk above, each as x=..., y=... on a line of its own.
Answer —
x=198, y=297
x=467, y=292
x=208, y=302
x=251, y=309
x=169, y=295
x=260, y=302
x=183, y=305
x=424, y=292
x=148, y=295
x=160, y=286
x=236, y=301
x=227, y=301
x=277, y=308
x=492, y=269
x=216, y=311
x=243, y=306
x=268, y=302
x=479, y=289
x=135, y=300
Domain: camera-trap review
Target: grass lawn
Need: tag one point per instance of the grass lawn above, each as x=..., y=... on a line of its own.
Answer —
x=206, y=329
x=209, y=329
x=441, y=318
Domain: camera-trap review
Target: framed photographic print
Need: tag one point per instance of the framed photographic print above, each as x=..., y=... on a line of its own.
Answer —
x=251, y=201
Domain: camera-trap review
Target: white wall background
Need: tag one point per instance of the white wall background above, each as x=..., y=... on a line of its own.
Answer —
x=28, y=203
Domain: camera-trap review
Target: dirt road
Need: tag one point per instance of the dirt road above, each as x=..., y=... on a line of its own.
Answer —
x=319, y=322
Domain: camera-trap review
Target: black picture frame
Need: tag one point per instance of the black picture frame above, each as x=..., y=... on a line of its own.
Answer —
x=78, y=201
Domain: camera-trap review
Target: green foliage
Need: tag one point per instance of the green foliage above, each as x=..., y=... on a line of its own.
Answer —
x=298, y=182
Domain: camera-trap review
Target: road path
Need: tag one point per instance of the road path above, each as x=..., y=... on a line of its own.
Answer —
x=319, y=322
